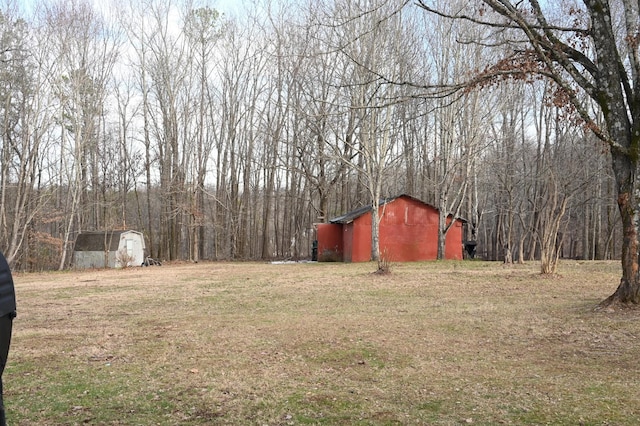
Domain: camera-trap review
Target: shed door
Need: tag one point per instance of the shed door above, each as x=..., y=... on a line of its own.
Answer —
x=130, y=244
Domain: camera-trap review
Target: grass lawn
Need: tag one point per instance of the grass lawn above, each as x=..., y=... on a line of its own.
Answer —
x=440, y=343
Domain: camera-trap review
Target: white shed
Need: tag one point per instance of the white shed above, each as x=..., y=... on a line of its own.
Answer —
x=109, y=249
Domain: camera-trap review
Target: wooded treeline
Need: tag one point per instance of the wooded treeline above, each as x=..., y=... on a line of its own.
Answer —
x=228, y=137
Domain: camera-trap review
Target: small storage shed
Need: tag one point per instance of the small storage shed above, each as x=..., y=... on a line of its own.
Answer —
x=109, y=249
x=408, y=232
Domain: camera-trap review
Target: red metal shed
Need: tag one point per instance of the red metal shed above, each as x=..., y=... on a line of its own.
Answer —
x=408, y=232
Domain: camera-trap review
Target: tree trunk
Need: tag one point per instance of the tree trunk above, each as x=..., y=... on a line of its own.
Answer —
x=628, y=290
x=375, y=230
x=442, y=217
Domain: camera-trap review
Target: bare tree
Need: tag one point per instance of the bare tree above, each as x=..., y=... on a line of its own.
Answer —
x=319, y=112
x=372, y=101
x=166, y=67
x=24, y=120
x=128, y=168
x=136, y=25
x=86, y=55
x=589, y=50
x=203, y=28
x=455, y=136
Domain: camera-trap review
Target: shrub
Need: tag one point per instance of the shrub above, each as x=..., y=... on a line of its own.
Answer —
x=330, y=256
x=124, y=259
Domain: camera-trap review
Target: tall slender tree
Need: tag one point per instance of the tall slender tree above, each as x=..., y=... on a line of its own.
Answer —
x=203, y=28
x=86, y=52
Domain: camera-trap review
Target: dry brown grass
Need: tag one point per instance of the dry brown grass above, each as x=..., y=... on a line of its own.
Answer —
x=252, y=343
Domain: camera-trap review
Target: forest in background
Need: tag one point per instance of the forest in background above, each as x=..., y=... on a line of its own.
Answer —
x=228, y=137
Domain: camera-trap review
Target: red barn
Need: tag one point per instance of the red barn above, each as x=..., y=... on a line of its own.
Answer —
x=408, y=232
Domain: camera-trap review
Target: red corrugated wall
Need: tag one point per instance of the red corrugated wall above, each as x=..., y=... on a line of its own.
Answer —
x=408, y=232
x=330, y=247
x=360, y=235
x=454, y=247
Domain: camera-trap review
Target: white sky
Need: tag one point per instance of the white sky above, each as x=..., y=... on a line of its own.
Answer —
x=228, y=7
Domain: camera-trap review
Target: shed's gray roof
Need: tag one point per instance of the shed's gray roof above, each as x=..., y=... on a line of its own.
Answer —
x=352, y=215
x=98, y=240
